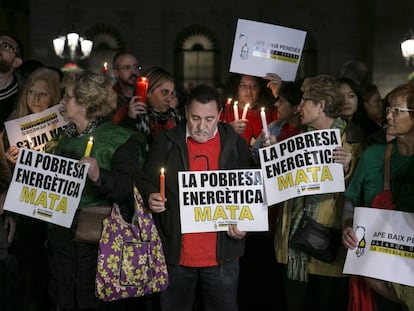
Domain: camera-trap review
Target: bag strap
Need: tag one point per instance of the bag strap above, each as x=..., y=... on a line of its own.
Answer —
x=144, y=219
x=387, y=166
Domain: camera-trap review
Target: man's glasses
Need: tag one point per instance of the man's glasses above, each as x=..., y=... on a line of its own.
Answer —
x=6, y=46
x=396, y=110
x=129, y=67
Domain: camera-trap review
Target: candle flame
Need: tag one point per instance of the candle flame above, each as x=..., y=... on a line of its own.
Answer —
x=162, y=170
x=263, y=109
x=91, y=139
x=229, y=101
x=105, y=64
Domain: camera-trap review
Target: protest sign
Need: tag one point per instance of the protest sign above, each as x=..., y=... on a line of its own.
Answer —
x=385, y=245
x=302, y=165
x=212, y=200
x=35, y=130
x=260, y=48
x=46, y=187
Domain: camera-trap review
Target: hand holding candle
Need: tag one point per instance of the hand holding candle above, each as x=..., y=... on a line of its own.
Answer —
x=141, y=89
x=236, y=110
x=246, y=107
x=162, y=185
x=88, y=148
x=264, y=125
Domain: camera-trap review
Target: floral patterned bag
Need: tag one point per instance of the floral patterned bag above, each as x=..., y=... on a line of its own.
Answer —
x=131, y=260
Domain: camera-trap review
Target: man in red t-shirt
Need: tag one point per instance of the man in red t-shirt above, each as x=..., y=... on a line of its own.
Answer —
x=203, y=267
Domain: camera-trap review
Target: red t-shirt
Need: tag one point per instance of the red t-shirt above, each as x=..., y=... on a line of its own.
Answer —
x=200, y=249
x=253, y=127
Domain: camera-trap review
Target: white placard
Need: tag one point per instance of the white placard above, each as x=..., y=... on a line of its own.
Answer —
x=35, y=130
x=46, y=187
x=260, y=48
x=385, y=245
x=211, y=200
x=302, y=165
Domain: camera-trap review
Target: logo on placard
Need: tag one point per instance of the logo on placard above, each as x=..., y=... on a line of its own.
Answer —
x=244, y=51
x=360, y=233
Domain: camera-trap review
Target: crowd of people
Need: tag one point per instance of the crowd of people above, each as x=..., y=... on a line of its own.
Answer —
x=44, y=267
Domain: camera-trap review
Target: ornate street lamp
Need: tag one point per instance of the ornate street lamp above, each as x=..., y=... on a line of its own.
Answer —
x=407, y=48
x=72, y=47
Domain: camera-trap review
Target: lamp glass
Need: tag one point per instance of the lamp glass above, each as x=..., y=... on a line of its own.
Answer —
x=73, y=38
x=407, y=48
x=59, y=45
x=86, y=47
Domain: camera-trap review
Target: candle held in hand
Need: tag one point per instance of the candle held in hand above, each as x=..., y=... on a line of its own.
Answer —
x=236, y=110
x=88, y=148
x=105, y=68
x=264, y=124
x=162, y=184
x=246, y=107
x=141, y=89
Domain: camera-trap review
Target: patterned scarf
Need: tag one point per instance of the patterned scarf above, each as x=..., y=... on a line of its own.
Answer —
x=297, y=260
x=150, y=122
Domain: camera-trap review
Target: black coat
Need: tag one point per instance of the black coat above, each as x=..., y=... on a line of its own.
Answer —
x=169, y=150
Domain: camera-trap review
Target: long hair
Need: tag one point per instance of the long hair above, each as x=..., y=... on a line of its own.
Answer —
x=53, y=81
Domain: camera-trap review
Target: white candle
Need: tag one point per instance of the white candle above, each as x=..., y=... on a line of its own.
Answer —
x=246, y=107
x=264, y=124
x=236, y=110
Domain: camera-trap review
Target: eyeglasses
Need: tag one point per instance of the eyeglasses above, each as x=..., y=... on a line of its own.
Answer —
x=6, y=46
x=396, y=110
x=38, y=95
x=248, y=86
x=67, y=97
x=129, y=67
x=305, y=99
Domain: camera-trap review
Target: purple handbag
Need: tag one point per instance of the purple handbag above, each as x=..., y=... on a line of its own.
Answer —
x=131, y=260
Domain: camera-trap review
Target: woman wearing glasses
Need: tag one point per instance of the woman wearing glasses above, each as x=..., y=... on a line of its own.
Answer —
x=309, y=283
x=246, y=89
x=368, y=179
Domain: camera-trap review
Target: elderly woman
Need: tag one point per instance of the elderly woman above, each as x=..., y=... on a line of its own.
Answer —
x=114, y=161
x=368, y=179
x=312, y=284
x=157, y=112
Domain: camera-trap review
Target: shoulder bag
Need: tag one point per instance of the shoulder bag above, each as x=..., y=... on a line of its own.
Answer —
x=131, y=260
x=315, y=239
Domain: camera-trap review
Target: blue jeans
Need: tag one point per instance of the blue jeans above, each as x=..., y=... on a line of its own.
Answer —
x=213, y=288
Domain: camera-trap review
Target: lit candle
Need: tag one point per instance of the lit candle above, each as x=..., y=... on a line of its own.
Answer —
x=228, y=101
x=264, y=124
x=105, y=68
x=236, y=110
x=162, y=184
x=141, y=89
x=246, y=107
x=88, y=147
